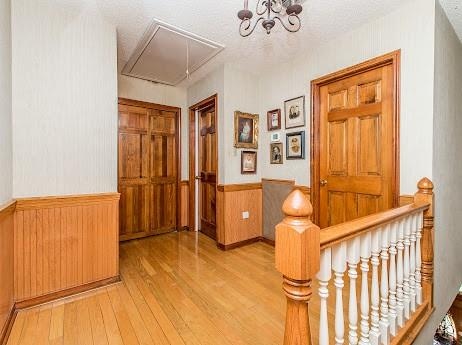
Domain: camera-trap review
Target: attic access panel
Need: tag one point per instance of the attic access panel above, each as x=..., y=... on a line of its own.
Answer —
x=161, y=54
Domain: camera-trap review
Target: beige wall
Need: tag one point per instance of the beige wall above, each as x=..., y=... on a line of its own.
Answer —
x=64, y=99
x=6, y=160
x=409, y=28
x=447, y=167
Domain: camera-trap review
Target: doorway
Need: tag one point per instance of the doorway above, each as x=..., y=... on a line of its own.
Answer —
x=355, y=141
x=203, y=166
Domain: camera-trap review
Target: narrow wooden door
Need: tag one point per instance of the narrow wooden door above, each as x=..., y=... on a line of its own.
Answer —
x=356, y=132
x=207, y=151
x=148, y=169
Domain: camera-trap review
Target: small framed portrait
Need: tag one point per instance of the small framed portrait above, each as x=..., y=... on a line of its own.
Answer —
x=276, y=137
x=248, y=162
x=276, y=153
x=295, y=145
x=294, y=110
x=274, y=119
x=245, y=130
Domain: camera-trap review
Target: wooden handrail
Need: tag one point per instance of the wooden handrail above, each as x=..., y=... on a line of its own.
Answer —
x=345, y=231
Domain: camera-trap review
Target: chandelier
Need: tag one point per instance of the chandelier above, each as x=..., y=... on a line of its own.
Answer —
x=269, y=12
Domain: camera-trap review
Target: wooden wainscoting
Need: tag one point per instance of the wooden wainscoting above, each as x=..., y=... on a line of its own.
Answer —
x=64, y=245
x=184, y=204
x=232, y=200
x=6, y=268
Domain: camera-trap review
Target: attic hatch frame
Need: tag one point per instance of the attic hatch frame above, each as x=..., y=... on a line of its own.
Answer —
x=149, y=35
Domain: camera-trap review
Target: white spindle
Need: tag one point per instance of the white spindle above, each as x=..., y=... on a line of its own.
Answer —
x=412, y=265
x=400, y=275
x=353, y=254
x=406, y=286
x=392, y=278
x=323, y=277
x=339, y=267
x=418, y=258
x=365, y=255
x=384, y=323
x=375, y=297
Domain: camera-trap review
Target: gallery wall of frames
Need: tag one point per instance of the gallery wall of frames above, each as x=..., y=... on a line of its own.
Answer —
x=246, y=134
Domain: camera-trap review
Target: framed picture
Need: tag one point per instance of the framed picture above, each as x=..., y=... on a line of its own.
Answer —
x=276, y=153
x=245, y=130
x=274, y=119
x=294, y=110
x=276, y=137
x=248, y=162
x=295, y=145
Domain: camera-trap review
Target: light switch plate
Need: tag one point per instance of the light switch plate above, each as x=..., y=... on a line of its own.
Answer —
x=245, y=215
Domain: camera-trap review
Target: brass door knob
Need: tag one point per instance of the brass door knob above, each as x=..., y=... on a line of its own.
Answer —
x=198, y=178
x=323, y=183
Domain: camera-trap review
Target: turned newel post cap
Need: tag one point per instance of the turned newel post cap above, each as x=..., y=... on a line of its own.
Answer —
x=425, y=185
x=297, y=204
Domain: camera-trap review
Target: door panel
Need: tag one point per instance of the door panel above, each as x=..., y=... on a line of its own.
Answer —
x=207, y=171
x=356, y=146
x=147, y=171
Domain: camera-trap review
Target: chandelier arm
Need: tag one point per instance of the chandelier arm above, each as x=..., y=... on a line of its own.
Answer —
x=294, y=23
x=278, y=8
x=244, y=29
x=261, y=7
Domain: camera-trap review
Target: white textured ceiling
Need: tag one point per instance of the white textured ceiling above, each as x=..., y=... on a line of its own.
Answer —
x=217, y=20
x=453, y=9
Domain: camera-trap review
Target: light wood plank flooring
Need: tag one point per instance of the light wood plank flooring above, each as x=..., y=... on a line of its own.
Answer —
x=177, y=289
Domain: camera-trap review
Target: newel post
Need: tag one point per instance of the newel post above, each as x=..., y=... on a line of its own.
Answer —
x=298, y=259
x=425, y=195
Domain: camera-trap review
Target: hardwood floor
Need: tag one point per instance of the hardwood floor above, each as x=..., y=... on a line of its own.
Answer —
x=177, y=288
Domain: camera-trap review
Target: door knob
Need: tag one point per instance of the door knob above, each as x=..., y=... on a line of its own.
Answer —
x=323, y=183
x=198, y=178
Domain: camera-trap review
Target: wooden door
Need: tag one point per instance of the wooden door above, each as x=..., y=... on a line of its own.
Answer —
x=207, y=151
x=357, y=148
x=148, y=169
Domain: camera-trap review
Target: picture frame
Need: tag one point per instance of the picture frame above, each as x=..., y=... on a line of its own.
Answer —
x=276, y=137
x=276, y=153
x=245, y=130
x=273, y=119
x=295, y=145
x=294, y=112
x=248, y=162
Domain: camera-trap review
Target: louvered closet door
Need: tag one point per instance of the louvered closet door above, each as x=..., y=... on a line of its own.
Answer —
x=147, y=171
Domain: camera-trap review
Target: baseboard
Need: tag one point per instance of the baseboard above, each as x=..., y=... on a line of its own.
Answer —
x=8, y=326
x=226, y=247
x=32, y=302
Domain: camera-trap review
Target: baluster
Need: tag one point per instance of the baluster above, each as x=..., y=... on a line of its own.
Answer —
x=353, y=254
x=425, y=195
x=412, y=265
x=418, y=259
x=339, y=267
x=375, y=298
x=365, y=255
x=406, y=271
x=324, y=276
x=400, y=275
x=384, y=323
x=392, y=314
x=297, y=256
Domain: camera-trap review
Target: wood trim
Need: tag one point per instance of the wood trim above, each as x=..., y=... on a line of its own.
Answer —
x=344, y=231
x=238, y=187
x=268, y=241
x=5, y=334
x=226, y=247
x=406, y=200
x=277, y=181
x=192, y=153
x=392, y=58
x=65, y=293
x=149, y=105
x=413, y=326
x=7, y=209
x=305, y=189
x=64, y=201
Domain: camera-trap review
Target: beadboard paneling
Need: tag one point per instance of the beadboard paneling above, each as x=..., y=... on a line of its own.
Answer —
x=64, y=242
x=64, y=99
x=184, y=203
x=6, y=265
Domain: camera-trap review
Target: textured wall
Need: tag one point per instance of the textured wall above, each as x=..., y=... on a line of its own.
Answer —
x=6, y=160
x=409, y=28
x=64, y=99
x=142, y=90
x=447, y=167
